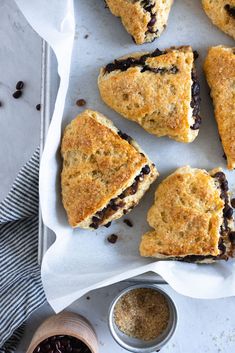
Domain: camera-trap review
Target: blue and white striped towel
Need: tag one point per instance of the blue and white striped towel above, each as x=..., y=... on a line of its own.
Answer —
x=21, y=289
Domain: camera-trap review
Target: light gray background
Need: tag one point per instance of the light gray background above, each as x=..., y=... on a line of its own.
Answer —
x=204, y=326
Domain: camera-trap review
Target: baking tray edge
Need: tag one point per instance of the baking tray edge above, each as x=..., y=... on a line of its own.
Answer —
x=46, y=113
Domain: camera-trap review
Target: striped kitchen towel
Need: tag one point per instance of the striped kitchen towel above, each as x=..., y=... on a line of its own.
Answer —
x=21, y=289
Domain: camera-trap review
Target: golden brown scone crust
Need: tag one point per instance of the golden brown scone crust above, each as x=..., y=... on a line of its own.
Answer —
x=160, y=103
x=186, y=215
x=220, y=73
x=215, y=10
x=136, y=19
x=97, y=165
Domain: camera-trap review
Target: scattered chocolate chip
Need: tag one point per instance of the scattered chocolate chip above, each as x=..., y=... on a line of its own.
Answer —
x=86, y=36
x=233, y=202
x=38, y=107
x=81, y=102
x=108, y=224
x=128, y=222
x=112, y=238
x=19, y=85
x=88, y=298
x=0, y=104
x=17, y=94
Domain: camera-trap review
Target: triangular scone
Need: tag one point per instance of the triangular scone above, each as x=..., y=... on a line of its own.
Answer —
x=220, y=73
x=192, y=218
x=222, y=14
x=105, y=173
x=145, y=20
x=158, y=90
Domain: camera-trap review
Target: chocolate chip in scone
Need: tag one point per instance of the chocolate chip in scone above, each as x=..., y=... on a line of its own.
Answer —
x=232, y=237
x=94, y=225
x=81, y=102
x=146, y=169
x=228, y=211
x=128, y=222
x=151, y=24
x=221, y=246
x=38, y=107
x=157, y=52
x=124, y=136
x=112, y=238
x=86, y=36
x=95, y=219
x=107, y=225
x=224, y=156
x=17, y=94
x=230, y=10
x=220, y=176
x=233, y=202
x=134, y=187
x=19, y=85
x=197, y=123
x=195, y=55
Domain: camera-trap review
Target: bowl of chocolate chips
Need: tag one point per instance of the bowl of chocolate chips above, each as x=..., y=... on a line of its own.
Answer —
x=64, y=333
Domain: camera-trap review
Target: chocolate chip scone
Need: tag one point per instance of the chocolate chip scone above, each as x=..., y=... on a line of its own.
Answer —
x=222, y=14
x=145, y=20
x=219, y=67
x=158, y=90
x=105, y=173
x=192, y=218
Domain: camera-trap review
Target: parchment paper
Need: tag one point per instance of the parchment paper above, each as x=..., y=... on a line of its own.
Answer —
x=83, y=260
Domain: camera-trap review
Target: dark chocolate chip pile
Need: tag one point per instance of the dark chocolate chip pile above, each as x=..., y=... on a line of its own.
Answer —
x=230, y=10
x=117, y=202
x=62, y=344
x=125, y=64
x=195, y=102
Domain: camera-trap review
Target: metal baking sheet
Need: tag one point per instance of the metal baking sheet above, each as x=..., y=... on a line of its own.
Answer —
x=49, y=88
